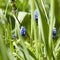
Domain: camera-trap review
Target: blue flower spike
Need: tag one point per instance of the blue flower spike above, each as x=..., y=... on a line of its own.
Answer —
x=36, y=15
x=54, y=33
x=22, y=31
x=14, y=36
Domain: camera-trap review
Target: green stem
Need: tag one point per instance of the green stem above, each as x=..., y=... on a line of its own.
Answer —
x=6, y=7
x=32, y=19
x=50, y=29
x=45, y=11
x=33, y=26
x=39, y=38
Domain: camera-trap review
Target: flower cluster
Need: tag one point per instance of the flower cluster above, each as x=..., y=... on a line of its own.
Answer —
x=54, y=33
x=22, y=31
x=36, y=15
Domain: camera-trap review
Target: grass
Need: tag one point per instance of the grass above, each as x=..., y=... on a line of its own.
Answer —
x=38, y=43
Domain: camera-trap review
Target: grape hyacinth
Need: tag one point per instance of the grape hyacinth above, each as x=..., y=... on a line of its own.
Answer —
x=14, y=36
x=22, y=31
x=36, y=15
x=54, y=33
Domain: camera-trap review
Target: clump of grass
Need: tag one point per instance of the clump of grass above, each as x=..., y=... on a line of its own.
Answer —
x=32, y=37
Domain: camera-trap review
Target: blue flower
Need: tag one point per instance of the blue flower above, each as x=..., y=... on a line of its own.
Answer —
x=36, y=15
x=22, y=31
x=14, y=36
x=54, y=32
